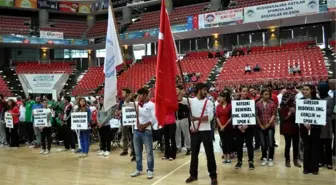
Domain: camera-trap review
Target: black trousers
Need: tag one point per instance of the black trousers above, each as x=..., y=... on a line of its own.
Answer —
x=267, y=142
x=22, y=132
x=30, y=132
x=69, y=137
x=257, y=141
x=294, y=139
x=169, y=132
x=196, y=140
x=46, y=138
x=246, y=136
x=227, y=140
x=311, y=144
x=326, y=152
x=14, y=136
x=105, y=138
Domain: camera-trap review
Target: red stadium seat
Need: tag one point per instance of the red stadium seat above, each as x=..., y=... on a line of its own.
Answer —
x=52, y=67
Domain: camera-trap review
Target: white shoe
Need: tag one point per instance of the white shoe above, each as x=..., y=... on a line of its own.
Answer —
x=264, y=162
x=150, y=174
x=270, y=163
x=61, y=150
x=106, y=153
x=101, y=153
x=46, y=152
x=42, y=151
x=135, y=174
x=73, y=150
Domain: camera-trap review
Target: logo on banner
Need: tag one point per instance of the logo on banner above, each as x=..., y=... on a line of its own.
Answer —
x=250, y=13
x=210, y=18
x=312, y=4
x=110, y=66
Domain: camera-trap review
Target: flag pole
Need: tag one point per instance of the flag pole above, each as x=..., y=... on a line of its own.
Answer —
x=185, y=87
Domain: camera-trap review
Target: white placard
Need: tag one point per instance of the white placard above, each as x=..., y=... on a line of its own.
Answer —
x=51, y=35
x=243, y=112
x=312, y=112
x=280, y=10
x=79, y=121
x=221, y=18
x=9, y=120
x=40, y=117
x=128, y=116
x=114, y=123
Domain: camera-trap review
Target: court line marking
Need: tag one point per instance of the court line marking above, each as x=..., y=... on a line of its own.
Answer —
x=162, y=178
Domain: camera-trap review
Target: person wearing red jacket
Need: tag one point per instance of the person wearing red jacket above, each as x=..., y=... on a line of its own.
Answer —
x=14, y=135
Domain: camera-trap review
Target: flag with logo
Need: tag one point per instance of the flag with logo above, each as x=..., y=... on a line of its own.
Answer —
x=165, y=87
x=113, y=58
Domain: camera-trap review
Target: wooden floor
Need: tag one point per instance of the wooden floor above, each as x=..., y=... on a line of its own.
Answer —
x=26, y=167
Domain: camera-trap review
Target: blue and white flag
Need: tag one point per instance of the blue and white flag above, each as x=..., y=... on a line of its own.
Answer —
x=113, y=58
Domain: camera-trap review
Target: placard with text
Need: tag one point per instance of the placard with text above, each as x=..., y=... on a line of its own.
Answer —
x=9, y=120
x=312, y=112
x=79, y=121
x=243, y=112
x=114, y=123
x=128, y=116
x=40, y=117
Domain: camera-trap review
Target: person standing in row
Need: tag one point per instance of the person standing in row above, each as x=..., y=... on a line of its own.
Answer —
x=266, y=116
x=310, y=135
x=202, y=112
x=327, y=130
x=46, y=131
x=3, y=109
x=69, y=139
x=223, y=115
x=29, y=120
x=182, y=120
x=289, y=129
x=103, y=120
x=145, y=113
x=245, y=133
x=22, y=124
x=14, y=132
x=37, y=131
x=84, y=134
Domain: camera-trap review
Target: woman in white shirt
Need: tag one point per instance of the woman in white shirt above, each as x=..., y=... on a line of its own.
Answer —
x=22, y=123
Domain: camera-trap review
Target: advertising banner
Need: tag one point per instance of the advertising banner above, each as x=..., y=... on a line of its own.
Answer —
x=99, y=6
x=331, y=5
x=26, y=3
x=42, y=81
x=68, y=7
x=51, y=35
x=47, y=4
x=37, y=40
x=84, y=8
x=222, y=18
x=280, y=10
x=8, y=3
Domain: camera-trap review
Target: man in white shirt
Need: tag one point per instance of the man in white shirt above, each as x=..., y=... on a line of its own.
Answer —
x=202, y=113
x=247, y=69
x=142, y=135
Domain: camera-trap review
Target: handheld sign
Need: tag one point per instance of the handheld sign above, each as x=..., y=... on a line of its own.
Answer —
x=243, y=112
x=9, y=120
x=115, y=123
x=128, y=116
x=312, y=112
x=79, y=121
x=40, y=117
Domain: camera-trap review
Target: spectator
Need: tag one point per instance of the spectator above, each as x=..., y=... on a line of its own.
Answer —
x=291, y=70
x=247, y=69
x=297, y=69
x=257, y=68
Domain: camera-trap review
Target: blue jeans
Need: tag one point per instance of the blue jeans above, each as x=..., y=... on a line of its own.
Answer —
x=140, y=139
x=85, y=141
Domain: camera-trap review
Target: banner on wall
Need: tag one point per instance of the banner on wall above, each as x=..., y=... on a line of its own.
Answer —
x=280, y=10
x=68, y=7
x=84, y=8
x=331, y=4
x=8, y=3
x=222, y=18
x=99, y=6
x=26, y=3
x=37, y=40
x=47, y=4
x=51, y=35
x=42, y=81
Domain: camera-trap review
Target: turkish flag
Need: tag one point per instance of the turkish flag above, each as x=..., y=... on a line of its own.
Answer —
x=165, y=87
x=195, y=22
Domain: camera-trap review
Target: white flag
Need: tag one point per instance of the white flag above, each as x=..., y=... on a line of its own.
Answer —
x=113, y=58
